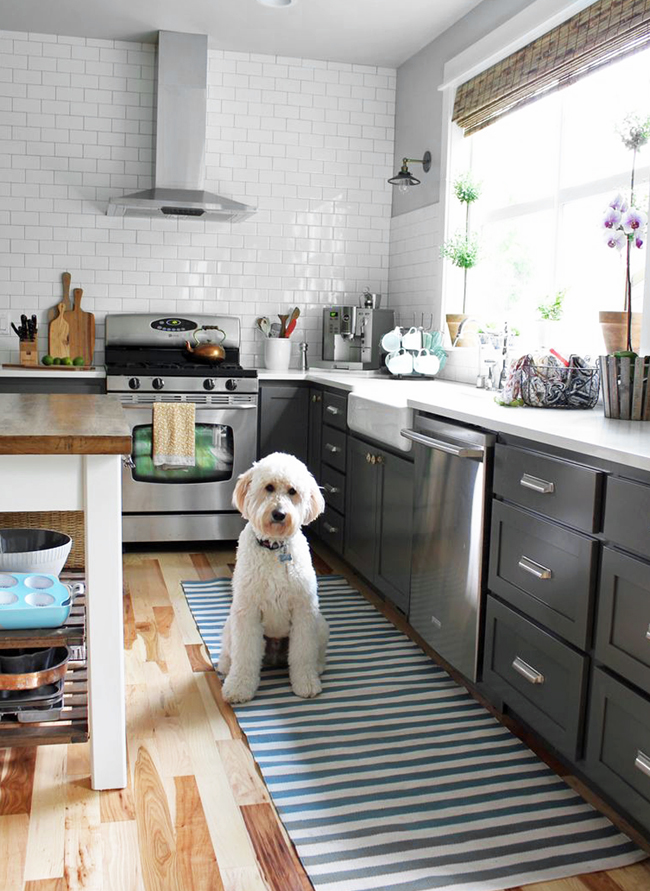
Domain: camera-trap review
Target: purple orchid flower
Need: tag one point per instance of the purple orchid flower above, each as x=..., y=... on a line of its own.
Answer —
x=618, y=203
x=612, y=218
x=615, y=239
x=633, y=220
x=639, y=239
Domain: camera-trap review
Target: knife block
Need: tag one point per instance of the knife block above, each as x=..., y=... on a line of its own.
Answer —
x=29, y=352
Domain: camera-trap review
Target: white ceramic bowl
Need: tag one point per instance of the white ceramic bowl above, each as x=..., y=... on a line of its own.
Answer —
x=33, y=550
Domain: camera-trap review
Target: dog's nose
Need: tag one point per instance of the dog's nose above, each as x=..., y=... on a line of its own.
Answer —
x=278, y=516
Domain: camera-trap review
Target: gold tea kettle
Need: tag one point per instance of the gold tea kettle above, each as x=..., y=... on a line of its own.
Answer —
x=208, y=352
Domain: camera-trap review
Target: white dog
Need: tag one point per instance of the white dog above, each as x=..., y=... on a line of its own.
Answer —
x=274, y=583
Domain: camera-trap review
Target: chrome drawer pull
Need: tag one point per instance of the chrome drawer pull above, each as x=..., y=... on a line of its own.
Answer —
x=647, y=634
x=333, y=410
x=537, y=485
x=332, y=490
x=642, y=763
x=332, y=448
x=436, y=622
x=536, y=569
x=527, y=671
x=329, y=528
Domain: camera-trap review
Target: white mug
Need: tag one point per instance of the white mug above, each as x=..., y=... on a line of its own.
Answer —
x=425, y=362
x=392, y=340
x=412, y=340
x=399, y=362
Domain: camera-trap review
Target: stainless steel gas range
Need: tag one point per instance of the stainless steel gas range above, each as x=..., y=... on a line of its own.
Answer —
x=146, y=362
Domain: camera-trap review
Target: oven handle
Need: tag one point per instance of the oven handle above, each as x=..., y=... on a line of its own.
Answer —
x=199, y=405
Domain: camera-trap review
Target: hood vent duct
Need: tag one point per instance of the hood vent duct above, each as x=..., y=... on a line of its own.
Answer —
x=180, y=140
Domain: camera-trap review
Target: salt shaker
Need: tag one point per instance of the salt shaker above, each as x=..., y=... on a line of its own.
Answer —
x=304, y=365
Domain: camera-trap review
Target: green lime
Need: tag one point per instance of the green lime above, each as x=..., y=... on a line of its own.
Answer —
x=78, y=360
x=625, y=354
x=47, y=360
x=56, y=361
x=66, y=361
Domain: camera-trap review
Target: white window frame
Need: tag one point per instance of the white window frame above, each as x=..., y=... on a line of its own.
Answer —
x=531, y=23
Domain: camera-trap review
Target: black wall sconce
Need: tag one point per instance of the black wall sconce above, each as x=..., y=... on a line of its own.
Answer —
x=405, y=178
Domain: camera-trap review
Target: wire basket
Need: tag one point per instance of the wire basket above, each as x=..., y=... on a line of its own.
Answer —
x=553, y=386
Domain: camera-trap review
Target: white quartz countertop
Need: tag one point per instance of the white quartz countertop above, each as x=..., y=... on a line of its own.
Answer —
x=587, y=433
x=43, y=371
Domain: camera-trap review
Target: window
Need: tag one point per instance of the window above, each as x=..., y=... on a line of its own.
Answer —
x=548, y=171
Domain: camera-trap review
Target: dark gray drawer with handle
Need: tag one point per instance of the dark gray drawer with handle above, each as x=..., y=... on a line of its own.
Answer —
x=558, y=489
x=335, y=410
x=332, y=529
x=333, y=448
x=333, y=484
x=627, y=515
x=618, y=745
x=539, y=678
x=544, y=570
x=623, y=627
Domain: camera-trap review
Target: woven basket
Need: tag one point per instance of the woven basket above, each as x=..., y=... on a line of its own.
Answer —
x=71, y=522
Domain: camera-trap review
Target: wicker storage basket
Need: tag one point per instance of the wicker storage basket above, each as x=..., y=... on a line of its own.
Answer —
x=69, y=521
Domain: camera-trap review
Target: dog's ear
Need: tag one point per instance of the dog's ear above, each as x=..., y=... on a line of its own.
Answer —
x=315, y=503
x=241, y=491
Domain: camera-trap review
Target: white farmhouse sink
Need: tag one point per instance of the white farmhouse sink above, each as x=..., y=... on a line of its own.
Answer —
x=380, y=415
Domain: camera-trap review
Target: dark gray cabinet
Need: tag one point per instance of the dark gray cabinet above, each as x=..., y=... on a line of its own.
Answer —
x=328, y=451
x=60, y=382
x=284, y=420
x=315, y=425
x=627, y=515
x=379, y=518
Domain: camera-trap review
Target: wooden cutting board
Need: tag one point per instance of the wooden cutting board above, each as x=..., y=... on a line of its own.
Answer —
x=59, y=334
x=82, y=330
x=53, y=313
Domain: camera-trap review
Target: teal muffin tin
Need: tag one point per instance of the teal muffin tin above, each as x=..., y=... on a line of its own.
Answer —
x=33, y=600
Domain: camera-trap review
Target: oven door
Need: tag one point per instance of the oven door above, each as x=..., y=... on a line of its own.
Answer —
x=225, y=446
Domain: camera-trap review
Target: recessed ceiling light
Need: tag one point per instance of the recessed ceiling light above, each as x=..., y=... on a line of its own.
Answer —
x=276, y=4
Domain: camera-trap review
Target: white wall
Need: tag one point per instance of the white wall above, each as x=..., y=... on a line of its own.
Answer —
x=415, y=239
x=310, y=143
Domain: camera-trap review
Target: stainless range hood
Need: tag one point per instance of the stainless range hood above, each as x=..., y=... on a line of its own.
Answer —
x=180, y=140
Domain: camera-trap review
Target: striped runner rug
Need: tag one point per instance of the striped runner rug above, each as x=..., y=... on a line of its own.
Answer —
x=394, y=777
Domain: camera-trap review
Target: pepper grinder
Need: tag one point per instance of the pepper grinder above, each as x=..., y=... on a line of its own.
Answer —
x=304, y=365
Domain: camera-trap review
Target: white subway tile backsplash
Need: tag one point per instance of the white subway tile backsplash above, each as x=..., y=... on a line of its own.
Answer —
x=308, y=142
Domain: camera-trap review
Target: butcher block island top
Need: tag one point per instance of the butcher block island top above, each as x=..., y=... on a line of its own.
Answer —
x=62, y=424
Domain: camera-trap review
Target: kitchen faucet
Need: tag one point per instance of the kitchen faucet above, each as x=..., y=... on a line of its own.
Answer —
x=460, y=329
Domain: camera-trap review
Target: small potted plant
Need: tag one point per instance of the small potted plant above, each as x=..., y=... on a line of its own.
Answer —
x=624, y=228
x=550, y=314
x=462, y=250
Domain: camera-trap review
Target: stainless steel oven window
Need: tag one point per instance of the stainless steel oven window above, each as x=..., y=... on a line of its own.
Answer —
x=213, y=449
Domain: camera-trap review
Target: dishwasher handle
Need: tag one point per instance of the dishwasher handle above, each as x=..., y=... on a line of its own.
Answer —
x=440, y=445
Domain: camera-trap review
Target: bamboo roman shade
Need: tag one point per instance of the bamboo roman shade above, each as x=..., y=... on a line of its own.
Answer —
x=601, y=33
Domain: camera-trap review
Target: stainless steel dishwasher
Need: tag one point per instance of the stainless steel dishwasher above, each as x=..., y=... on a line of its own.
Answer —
x=453, y=470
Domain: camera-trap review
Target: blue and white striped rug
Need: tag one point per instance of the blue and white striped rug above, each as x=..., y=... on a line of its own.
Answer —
x=394, y=777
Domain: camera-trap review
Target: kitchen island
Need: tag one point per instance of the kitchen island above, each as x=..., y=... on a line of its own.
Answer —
x=63, y=453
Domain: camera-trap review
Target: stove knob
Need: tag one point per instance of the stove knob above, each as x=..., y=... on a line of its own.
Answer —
x=134, y=383
x=157, y=383
x=208, y=384
x=231, y=384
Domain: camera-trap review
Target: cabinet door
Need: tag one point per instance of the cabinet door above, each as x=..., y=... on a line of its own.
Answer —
x=284, y=417
x=361, y=507
x=395, y=530
x=315, y=429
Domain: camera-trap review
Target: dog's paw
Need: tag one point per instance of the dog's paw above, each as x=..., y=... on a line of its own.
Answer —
x=307, y=686
x=223, y=665
x=237, y=691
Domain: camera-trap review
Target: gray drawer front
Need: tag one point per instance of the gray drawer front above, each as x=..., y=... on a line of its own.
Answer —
x=333, y=486
x=553, y=706
x=523, y=547
x=618, y=745
x=332, y=529
x=627, y=515
x=333, y=448
x=335, y=410
x=576, y=491
x=623, y=625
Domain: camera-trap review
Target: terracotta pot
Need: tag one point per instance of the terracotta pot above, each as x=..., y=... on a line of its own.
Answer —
x=470, y=333
x=614, y=328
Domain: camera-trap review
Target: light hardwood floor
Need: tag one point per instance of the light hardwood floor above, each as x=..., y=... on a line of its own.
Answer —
x=195, y=816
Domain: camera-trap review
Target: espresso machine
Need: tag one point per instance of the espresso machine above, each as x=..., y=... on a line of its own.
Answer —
x=352, y=335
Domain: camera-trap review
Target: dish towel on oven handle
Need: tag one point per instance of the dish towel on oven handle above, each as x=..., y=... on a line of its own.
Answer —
x=173, y=434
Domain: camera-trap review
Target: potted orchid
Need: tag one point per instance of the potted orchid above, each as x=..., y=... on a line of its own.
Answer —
x=625, y=229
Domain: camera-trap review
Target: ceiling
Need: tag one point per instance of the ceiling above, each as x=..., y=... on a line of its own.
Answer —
x=366, y=32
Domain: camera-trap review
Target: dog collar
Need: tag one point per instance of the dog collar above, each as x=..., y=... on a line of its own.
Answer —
x=284, y=556
x=270, y=545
